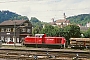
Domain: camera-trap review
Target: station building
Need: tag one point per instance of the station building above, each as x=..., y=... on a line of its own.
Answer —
x=15, y=30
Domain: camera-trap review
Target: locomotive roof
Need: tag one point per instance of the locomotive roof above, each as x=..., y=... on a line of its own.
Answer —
x=38, y=34
x=46, y=37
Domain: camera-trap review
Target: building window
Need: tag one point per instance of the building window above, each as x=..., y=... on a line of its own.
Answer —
x=8, y=29
x=26, y=24
x=18, y=40
x=13, y=39
x=2, y=38
x=23, y=29
x=7, y=39
x=2, y=29
x=28, y=30
x=13, y=29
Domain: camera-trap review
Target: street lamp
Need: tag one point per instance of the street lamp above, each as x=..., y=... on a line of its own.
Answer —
x=15, y=28
x=14, y=33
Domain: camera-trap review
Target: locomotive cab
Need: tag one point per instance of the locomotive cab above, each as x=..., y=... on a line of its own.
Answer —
x=41, y=36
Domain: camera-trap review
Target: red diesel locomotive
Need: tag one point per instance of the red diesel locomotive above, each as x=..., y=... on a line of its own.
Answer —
x=40, y=40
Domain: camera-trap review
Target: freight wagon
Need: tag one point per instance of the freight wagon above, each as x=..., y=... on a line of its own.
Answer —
x=80, y=43
x=40, y=40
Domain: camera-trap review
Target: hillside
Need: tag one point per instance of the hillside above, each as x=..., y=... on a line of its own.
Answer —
x=7, y=15
x=80, y=19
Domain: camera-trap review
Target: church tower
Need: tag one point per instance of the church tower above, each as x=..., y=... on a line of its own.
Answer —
x=64, y=16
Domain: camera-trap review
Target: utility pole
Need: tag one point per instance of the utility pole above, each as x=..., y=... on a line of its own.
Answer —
x=14, y=33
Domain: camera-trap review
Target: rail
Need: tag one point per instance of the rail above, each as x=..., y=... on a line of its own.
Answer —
x=42, y=55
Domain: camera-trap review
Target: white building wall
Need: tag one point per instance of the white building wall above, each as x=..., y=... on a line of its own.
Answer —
x=88, y=25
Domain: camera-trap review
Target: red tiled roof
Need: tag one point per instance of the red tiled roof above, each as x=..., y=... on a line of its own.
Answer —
x=62, y=20
x=12, y=22
x=52, y=23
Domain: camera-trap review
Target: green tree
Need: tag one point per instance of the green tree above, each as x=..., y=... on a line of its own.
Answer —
x=80, y=19
x=7, y=15
x=35, y=22
x=36, y=30
x=49, y=30
x=71, y=31
x=87, y=33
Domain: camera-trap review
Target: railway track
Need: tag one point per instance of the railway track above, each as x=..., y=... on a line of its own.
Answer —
x=47, y=54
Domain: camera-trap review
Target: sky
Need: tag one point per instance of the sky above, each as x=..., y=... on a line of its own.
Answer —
x=45, y=10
